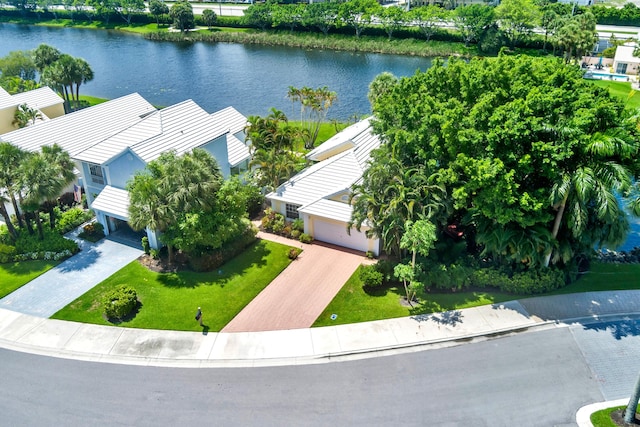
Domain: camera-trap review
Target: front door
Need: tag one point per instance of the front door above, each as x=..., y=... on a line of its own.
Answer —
x=621, y=68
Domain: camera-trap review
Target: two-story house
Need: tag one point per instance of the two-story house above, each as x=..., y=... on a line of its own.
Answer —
x=108, y=165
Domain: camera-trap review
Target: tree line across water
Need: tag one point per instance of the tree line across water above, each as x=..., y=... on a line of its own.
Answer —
x=564, y=28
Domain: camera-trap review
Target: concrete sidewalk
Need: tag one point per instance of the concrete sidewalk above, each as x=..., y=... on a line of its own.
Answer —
x=301, y=346
x=56, y=288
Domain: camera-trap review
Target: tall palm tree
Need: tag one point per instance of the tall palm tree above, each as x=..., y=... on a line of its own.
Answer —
x=10, y=159
x=40, y=181
x=62, y=168
x=589, y=191
x=83, y=74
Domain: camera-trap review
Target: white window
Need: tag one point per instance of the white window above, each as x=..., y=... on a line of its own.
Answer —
x=292, y=211
x=96, y=174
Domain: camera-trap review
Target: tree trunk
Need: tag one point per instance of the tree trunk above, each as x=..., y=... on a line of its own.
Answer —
x=39, y=225
x=630, y=413
x=14, y=202
x=556, y=226
x=27, y=221
x=7, y=220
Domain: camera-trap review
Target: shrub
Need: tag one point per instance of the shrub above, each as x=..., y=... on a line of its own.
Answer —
x=145, y=245
x=278, y=224
x=155, y=253
x=295, y=234
x=294, y=252
x=370, y=276
x=71, y=219
x=215, y=258
x=447, y=276
x=52, y=242
x=119, y=302
x=7, y=252
x=298, y=224
x=305, y=238
x=287, y=230
x=92, y=232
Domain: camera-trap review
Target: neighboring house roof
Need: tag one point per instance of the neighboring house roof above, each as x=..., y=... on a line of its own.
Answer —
x=180, y=128
x=237, y=151
x=113, y=201
x=77, y=131
x=312, y=188
x=231, y=118
x=339, y=142
x=38, y=98
x=624, y=53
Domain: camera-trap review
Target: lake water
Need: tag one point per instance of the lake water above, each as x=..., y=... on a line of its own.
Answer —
x=251, y=78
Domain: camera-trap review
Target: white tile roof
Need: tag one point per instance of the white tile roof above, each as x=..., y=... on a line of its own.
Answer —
x=237, y=151
x=329, y=209
x=312, y=187
x=38, y=98
x=112, y=201
x=342, y=139
x=231, y=118
x=75, y=132
x=624, y=53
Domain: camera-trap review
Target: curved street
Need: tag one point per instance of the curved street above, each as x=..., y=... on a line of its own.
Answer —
x=529, y=379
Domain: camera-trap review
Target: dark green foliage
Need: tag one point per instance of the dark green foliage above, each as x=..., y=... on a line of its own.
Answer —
x=72, y=218
x=305, y=238
x=92, y=232
x=52, y=242
x=213, y=259
x=145, y=245
x=6, y=253
x=119, y=302
x=370, y=276
x=524, y=282
x=453, y=277
x=629, y=14
x=298, y=224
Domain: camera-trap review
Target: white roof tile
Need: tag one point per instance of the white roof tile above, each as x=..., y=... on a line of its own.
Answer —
x=112, y=201
x=75, y=132
x=237, y=151
x=329, y=209
x=38, y=98
x=231, y=118
x=344, y=139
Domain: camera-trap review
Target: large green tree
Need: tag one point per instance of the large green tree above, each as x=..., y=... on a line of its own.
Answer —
x=357, y=14
x=528, y=156
x=18, y=63
x=517, y=18
x=182, y=15
x=171, y=188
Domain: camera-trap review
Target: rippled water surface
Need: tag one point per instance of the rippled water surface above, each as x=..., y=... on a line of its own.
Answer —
x=251, y=78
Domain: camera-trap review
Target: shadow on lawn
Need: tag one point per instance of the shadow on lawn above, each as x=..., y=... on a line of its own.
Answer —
x=252, y=257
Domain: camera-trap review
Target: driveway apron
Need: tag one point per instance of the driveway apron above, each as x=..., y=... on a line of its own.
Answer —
x=301, y=292
x=53, y=290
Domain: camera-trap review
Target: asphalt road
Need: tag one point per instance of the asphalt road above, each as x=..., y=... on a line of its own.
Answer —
x=530, y=379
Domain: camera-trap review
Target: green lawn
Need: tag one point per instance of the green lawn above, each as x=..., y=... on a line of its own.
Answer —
x=169, y=301
x=14, y=275
x=352, y=304
x=602, y=418
x=622, y=90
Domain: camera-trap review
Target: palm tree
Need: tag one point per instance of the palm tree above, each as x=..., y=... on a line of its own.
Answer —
x=62, y=167
x=10, y=159
x=40, y=181
x=589, y=192
x=83, y=74
x=25, y=116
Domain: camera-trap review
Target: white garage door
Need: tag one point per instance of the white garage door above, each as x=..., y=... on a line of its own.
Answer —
x=337, y=234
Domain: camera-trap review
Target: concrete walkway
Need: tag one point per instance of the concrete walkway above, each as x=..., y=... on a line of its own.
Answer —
x=301, y=292
x=56, y=288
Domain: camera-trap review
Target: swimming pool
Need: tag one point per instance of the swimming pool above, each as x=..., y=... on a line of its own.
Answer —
x=606, y=76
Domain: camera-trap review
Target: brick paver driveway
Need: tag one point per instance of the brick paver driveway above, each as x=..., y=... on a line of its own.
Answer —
x=301, y=292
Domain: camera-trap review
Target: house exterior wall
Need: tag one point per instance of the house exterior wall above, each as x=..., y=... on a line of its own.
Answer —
x=218, y=149
x=53, y=111
x=121, y=169
x=90, y=187
x=6, y=119
x=335, y=232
